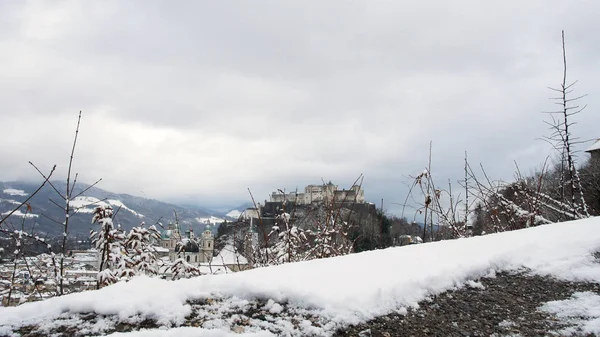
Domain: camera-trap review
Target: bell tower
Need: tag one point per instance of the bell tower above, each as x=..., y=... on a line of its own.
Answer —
x=208, y=246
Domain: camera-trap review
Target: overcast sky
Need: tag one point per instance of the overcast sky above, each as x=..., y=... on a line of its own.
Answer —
x=196, y=101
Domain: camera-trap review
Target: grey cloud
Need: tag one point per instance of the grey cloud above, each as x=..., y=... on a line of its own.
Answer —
x=204, y=99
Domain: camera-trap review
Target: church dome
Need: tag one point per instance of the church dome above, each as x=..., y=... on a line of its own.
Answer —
x=166, y=234
x=189, y=246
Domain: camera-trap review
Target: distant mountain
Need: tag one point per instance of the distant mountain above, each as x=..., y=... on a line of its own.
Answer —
x=130, y=210
x=234, y=213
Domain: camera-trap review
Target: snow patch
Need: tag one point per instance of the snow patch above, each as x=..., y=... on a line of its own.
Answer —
x=22, y=215
x=10, y=201
x=582, y=310
x=87, y=204
x=506, y=324
x=213, y=269
x=234, y=214
x=191, y=332
x=212, y=220
x=6, y=331
x=12, y=191
x=273, y=307
x=491, y=274
x=475, y=284
x=119, y=204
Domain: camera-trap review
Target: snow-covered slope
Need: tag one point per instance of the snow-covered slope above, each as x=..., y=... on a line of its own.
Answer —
x=234, y=214
x=211, y=220
x=132, y=210
x=340, y=291
x=12, y=191
x=20, y=214
x=85, y=204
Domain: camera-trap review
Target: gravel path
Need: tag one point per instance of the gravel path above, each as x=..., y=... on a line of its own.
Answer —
x=506, y=305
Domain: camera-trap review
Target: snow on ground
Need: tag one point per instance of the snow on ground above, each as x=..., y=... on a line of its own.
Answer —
x=21, y=214
x=581, y=310
x=229, y=256
x=190, y=332
x=87, y=204
x=214, y=268
x=12, y=191
x=340, y=291
x=234, y=214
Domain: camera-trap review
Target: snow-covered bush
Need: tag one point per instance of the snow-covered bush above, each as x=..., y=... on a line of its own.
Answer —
x=181, y=269
x=292, y=243
x=123, y=255
x=139, y=249
x=109, y=241
x=329, y=237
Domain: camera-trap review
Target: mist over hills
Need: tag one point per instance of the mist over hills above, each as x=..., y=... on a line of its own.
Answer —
x=45, y=212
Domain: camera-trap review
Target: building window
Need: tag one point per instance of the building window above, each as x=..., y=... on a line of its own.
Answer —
x=209, y=245
x=196, y=259
x=188, y=258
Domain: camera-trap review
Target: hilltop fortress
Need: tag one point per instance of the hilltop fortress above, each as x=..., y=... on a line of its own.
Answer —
x=322, y=193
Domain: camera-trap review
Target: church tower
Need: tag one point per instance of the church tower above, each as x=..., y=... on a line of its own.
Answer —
x=208, y=246
x=170, y=237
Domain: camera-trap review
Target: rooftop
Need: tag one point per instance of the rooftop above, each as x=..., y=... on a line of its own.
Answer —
x=594, y=147
x=228, y=255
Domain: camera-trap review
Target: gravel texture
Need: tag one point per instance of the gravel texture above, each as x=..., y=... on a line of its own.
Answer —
x=506, y=305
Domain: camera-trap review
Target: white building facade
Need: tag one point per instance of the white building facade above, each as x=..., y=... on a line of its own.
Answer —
x=322, y=193
x=192, y=249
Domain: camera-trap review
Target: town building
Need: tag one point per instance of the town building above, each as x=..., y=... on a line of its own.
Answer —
x=594, y=151
x=194, y=250
x=230, y=258
x=326, y=193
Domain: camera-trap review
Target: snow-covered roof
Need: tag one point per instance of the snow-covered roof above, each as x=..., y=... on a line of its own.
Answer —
x=594, y=147
x=189, y=246
x=168, y=233
x=82, y=272
x=86, y=257
x=339, y=291
x=228, y=255
x=160, y=249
